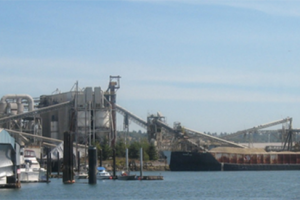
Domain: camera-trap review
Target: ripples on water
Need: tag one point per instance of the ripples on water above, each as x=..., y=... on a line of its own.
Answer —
x=176, y=185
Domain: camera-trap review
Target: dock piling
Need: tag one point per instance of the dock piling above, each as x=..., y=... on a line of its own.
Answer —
x=48, y=164
x=141, y=162
x=68, y=172
x=92, y=152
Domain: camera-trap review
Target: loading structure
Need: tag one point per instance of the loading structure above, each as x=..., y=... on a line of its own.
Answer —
x=181, y=138
x=128, y=116
x=166, y=137
x=287, y=131
x=91, y=115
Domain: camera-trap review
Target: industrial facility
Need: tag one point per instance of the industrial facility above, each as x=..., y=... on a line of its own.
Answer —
x=90, y=114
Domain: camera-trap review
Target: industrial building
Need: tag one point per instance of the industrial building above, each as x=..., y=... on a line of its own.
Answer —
x=89, y=113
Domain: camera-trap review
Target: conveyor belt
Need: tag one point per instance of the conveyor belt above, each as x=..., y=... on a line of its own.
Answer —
x=34, y=112
x=131, y=116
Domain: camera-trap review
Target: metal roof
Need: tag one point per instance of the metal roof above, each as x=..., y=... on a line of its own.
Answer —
x=6, y=138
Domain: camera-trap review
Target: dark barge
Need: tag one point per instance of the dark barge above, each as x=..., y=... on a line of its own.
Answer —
x=233, y=159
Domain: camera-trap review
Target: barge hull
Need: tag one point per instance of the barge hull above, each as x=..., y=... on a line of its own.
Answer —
x=260, y=167
x=195, y=161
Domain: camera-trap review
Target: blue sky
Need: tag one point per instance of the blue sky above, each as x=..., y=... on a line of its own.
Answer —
x=217, y=66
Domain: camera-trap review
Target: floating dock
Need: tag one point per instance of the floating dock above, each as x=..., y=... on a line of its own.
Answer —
x=138, y=178
x=148, y=178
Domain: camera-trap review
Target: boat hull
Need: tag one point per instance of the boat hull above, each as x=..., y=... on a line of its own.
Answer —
x=103, y=174
x=27, y=176
x=260, y=167
x=195, y=161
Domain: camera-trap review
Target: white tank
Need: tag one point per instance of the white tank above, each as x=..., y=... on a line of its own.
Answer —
x=83, y=119
x=102, y=119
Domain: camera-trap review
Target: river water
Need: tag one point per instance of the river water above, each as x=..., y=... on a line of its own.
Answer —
x=176, y=185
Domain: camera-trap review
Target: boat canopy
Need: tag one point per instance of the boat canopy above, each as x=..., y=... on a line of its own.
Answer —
x=100, y=168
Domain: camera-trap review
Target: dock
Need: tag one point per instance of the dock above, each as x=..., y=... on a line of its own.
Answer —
x=149, y=178
x=139, y=178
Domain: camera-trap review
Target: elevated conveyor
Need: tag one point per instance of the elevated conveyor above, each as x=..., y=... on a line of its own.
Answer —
x=131, y=116
x=34, y=112
x=212, y=138
x=256, y=128
x=176, y=133
x=199, y=134
x=42, y=138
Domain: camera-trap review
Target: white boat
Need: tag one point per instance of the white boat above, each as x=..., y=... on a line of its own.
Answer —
x=103, y=174
x=30, y=170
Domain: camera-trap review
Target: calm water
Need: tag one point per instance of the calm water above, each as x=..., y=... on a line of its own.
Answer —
x=176, y=185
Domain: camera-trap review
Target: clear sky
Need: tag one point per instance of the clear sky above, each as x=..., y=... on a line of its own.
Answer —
x=213, y=65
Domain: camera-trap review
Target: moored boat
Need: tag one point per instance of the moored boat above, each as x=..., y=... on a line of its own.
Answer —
x=30, y=170
x=126, y=176
x=103, y=174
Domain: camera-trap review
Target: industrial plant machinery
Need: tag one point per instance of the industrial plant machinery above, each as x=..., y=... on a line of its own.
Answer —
x=89, y=112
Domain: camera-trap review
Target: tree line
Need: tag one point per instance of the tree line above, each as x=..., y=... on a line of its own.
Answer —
x=149, y=150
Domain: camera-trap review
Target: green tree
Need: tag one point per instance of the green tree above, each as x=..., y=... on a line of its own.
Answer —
x=145, y=155
x=106, y=150
x=120, y=148
x=144, y=144
x=134, y=150
x=152, y=152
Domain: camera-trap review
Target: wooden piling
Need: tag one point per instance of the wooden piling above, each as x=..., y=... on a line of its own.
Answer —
x=92, y=165
x=48, y=164
x=68, y=172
